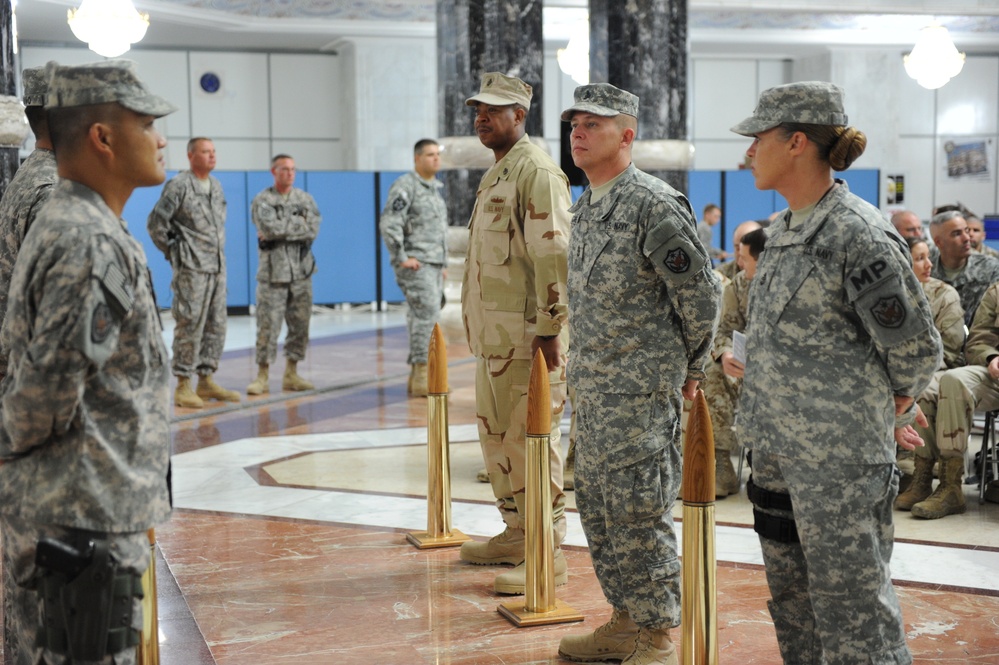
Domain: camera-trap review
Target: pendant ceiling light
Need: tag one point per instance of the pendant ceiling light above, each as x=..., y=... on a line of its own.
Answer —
x=109, y=27
x=934, y=59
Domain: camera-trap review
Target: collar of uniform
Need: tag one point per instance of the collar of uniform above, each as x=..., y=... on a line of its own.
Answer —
x=780, y=235
x=608, y=202
x=503, y=169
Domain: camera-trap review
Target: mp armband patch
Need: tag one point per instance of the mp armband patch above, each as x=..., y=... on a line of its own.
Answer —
x=889, y=312
x=677, y=261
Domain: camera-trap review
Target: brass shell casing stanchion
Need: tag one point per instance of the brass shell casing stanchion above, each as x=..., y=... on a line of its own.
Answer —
x=699, y=605
x=148, y=651
x=439, y=532
x=540, y=607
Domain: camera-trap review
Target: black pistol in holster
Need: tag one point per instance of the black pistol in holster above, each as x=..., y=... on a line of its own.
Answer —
x=86, y=601
x=266, y=244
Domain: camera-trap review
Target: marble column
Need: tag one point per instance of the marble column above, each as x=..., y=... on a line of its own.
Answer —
x=473, y=37
x=13, y=125
x=641, y=46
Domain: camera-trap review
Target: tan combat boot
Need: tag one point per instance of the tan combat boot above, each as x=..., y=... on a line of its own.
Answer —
x=208, y=389
x=507, y=547
x=615, y=640
x=291, y=380
x=726, y=482
x=482, y=476
x=514, y=582
x=418, y=385
x=654, y=647
x=948, y=498
x=184, y=396
x=259, y=385
x=920, y=487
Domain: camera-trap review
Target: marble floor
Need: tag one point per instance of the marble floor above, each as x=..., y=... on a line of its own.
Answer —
x=288, y=539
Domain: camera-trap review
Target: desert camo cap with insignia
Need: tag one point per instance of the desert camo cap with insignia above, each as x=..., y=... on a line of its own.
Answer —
x=602, y=99
x=35, y=82
x=102, y=83
x=810, y=102
x=502, y=90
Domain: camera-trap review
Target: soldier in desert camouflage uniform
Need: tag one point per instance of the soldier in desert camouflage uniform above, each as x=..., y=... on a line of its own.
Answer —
x=287, y=221
x=30, y=188
x=513, y=301
x=414, y=228
x=723, y=377
x=840, y=342
x=643, y=305
x=85, y=427
x=187, y=224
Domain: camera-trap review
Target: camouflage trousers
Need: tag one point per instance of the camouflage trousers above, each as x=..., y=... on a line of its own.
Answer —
x=22, y=605
x=423, y=289
x=290, y=302
x=721, y=393
x=501, y=412
x=962, y=391
x=199, y=311
x=832, y=600
x=627, y=479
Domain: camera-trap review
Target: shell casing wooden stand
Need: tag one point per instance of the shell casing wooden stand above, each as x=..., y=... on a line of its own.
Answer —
x=439, y=532
x=698, y=607
x=539, y=607
x=148, y=651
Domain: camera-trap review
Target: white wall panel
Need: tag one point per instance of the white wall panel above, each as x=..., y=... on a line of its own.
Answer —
x=969, y=103
x=241, y=107
x=724, y=92
x=317, y=155
x=306, y=96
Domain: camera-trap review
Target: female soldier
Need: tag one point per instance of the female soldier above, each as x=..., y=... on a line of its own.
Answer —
x=840, y=341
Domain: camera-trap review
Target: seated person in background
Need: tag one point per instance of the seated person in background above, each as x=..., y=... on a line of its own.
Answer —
x=908, y=224
x=730, y=268
x=977, y=229
x=723, y=377
x=963, y=391
x=956, y=264
x=948, y=318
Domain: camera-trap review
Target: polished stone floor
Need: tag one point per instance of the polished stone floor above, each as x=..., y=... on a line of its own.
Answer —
x=288, y=539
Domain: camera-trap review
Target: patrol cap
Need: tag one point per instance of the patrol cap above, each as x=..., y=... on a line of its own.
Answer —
x=602, y=99
x=102, y=83
x=35, y=82
x=502, y=90
x=810, y=102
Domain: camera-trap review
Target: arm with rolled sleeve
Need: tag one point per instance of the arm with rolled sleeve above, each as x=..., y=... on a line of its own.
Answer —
x=672, y=246
x=393, y=221
x=546, y=204
x=76, y=297
x=949, y=321
x=983, y=339
x=731, y=320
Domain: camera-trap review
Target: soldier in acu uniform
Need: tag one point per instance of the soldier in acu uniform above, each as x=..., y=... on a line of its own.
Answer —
x=513, y=302
x=85, y=437
x=840, y=341
x=957, y=264
x=414, y=227
x=188, y=226
x=643, y=303
x=287, y=221
x=30, y=188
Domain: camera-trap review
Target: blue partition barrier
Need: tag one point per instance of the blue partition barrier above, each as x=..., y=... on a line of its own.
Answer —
x=237, y=238
x=345, y=248
x=390, y=291
x=704, y=187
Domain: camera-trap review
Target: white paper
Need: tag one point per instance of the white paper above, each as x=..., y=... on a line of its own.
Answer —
x=739, y=346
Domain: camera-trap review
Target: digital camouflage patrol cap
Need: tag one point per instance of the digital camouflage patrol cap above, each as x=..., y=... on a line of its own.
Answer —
x=810, y=102
x=35, y=82
x=102, y=83
x=502, y=90
x=602, y=99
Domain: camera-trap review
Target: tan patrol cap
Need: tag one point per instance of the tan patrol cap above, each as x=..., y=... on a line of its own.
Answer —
x=502, y=90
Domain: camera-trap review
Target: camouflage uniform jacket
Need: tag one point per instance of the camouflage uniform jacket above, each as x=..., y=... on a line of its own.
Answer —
x=983, y=339
x=84, y=407
x=838, y=325
x=979, y=273
x=515, y=270
x=643, y=297
x=734, y=314
x=948, y=317
x=288, y=224
x=188, y=226
x=31, y=187
x=414, y=222
x=728, y=270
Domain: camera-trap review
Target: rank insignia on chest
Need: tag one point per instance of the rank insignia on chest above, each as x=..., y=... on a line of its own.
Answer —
x=100, y=323
x=889, y=312
x=677, y=260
